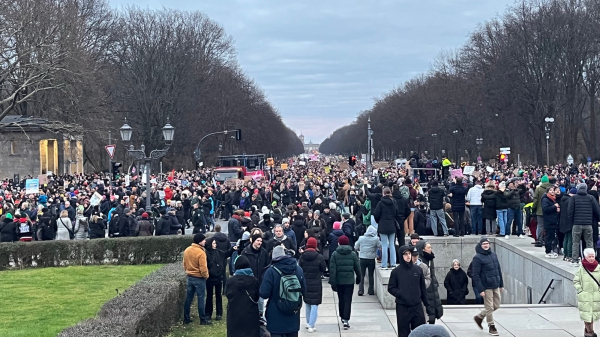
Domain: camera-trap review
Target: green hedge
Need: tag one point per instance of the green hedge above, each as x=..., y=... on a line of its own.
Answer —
x=134, y=250
x=149, y=308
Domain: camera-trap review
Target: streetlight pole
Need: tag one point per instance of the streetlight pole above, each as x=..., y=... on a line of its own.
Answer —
x=434, y=135
x=140, y=155
x=548, y=120
x=418, y=146
x=479, y=142
x=369, y=133
x=455, y=133
x=198, y=153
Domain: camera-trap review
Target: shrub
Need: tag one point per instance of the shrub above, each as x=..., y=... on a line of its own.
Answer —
x=148, y=308
x=133, y=250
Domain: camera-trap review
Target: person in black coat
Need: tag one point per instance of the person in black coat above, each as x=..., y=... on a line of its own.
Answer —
x=299, y=227
x=216, y=268
x=404, y=211
x=8, y=229
x=551, y=210
x=456, y=284
x=242, y=296
x=387, y=216
x=458, y=193
x=565, y=225
x=488, y=199
x=97, y=227
x=313, y=266
x=349, y=228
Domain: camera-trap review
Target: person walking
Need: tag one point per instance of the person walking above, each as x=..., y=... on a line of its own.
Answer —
x=458, y=193
x=281, y=323
x=582, y=210
x=487, y=281
x=475, y=205
x=367, y=246
x=242, y=301
x=436, y=208
x=343, y=266
x=196, y=268
x=587, y=286
x=407, y=285
x=551, y=210
x=258, y=258
x=313, y=266
x=456, y=284
x=387, y=217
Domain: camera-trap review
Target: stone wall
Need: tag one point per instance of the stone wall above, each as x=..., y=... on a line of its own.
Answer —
x=26, y=157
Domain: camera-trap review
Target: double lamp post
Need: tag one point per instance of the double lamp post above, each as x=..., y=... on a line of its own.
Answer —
x=168, y=132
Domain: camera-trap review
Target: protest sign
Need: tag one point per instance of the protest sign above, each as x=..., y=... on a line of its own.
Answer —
x=32, y=186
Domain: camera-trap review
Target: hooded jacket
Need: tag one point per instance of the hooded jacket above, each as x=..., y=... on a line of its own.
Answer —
x=539, y=194
x=551, y=215
x=343, y=265
x=407, y=284
x=242, y=308
x=565, y=224
x=583, y=207
x=436, y=198
x=457, y=286
x=313, y=265
x=386, y=215
x=259, y=260
x=486, y=270
x=367, y=245
x=488, y=196
x=434, y=307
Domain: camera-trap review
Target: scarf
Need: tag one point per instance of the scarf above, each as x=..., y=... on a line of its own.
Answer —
x=245, y=271
x=551, y=197
x=428, y=256
x=590, y=266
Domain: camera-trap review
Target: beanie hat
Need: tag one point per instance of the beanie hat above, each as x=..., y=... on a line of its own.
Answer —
x=573, y=191
x=343, y=240
x=582, y=187
x=285, y=220
x=255, y=236
x=266, y=216
x=545, y=179
x=484, y=239
x=246, y=236
x=312, y=243
x=337, y=225
x=242, y=262
x=9, y=216
x=317, y=212
x=278, y=253
x=126, y=210
x=430, y=330
x=144, y=215
x=199, y=238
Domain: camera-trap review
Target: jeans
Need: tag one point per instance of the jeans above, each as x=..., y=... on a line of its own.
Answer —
x=502, y=215
x=216, y=286
x=476, y=218
x=551, y=240
x=344, y=292
x=364, y=265
x=311, y=314
x=436, y=215
x=578, y=231
x=197, y=286
x=491, y=303
x=540, y=227
x=459, y=222
x=261, y=306
x=489, y=228
x=517, y=216
x=568, y=244
x=387, y=241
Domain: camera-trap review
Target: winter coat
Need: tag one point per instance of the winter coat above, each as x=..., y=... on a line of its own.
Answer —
x=457, y=286
x=551, y=215
x=349, y=228
x=333, y=240
x=287, y=242
x=486, y=270
x=582, y=209
x=343, y=266
x=513, y=198
x=313, y=265
x=222, y=241
x=501, y=202
x=537, y=198
x=8, y=231
x=319, y=234
x=164, y=225
x=565, y=224
x=63, y=232
x=242, y=308
x=386, y=214
x=145, y=228
x=291, y=234
x=588, y=294
x=299, y=227
x=214, y=262
x=436, y=198
x=489, y=204
x=402, y=205
x=259, y=260
x=278, y=322
x=367, y=245
x=434, y=307
x=98, y=229
x=235, y=230
x=81, y=228
x=474, y=196
x=459, y=193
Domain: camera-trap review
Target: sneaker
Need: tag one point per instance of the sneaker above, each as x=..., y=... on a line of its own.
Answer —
x=346, y=325
x=360, y=293
x=574, y=262
x=187, y=322
x=554, y=255
x=207, y=322
x=506, y=237
x=493, y=330
x=521, y=236
x=311, y=330
x=478, y=321
x=549, y=256
x=307, y=326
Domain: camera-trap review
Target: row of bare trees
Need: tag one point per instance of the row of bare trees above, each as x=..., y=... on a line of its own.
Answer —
x=540, y=59
x=83, y=62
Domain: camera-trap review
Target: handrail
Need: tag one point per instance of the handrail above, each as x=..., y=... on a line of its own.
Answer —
x=545, y=292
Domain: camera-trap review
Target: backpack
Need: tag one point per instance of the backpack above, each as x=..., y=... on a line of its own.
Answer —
x=405, y=192
x=290, y=293
x=367, y=215
x=113, y=225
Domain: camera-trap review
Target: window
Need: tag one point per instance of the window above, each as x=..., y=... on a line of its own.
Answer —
x=13, y=147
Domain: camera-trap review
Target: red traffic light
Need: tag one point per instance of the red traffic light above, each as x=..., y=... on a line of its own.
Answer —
x=503, y=157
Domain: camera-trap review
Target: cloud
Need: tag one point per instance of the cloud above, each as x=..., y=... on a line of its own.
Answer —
x=322, y=62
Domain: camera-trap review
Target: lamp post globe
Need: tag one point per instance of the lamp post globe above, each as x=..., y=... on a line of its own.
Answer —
x=126, y=132
x=168, y=132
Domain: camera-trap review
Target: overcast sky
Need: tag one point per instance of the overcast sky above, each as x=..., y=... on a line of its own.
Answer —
x=322, y=62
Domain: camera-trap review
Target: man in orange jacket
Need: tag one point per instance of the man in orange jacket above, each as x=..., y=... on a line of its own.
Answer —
x=194, y=263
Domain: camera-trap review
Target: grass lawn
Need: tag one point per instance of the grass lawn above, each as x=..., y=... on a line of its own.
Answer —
x=42, y=302
x=217, y=329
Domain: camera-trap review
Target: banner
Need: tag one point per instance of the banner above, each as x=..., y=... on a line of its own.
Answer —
x=95, y=199
x=456, y=173
x=32, y=186
x=284, y=166
x=468, y=170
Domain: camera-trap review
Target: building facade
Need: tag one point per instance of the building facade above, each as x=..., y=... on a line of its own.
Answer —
x=310, y=147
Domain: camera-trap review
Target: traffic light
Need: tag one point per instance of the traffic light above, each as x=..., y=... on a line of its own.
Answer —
x=115, y=169
x=503, y=158
x=352, y=160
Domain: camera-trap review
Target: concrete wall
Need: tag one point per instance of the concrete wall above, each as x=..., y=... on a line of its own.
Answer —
x=523, y=266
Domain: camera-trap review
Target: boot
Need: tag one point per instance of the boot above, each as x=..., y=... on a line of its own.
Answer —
x=589, y=329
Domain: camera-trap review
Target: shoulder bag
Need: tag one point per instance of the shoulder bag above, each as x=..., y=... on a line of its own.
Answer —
x=593, y=278
x=71, y=233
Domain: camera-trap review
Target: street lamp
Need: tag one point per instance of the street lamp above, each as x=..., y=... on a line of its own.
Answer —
x=369, y=148
x=549, y=121
x=479, y=142
x=168, y=132
x=455, y=133
x=434, y=136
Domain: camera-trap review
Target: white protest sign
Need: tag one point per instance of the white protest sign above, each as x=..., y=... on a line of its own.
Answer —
x=468, y=170
x=32, y=186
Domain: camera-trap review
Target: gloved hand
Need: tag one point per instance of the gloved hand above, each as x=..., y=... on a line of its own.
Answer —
x=358, y=280
x=334, y=287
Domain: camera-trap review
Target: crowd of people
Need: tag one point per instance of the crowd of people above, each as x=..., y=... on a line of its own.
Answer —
x=314, y=222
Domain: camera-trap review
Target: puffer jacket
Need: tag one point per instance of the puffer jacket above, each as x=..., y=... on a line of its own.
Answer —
x=436, y=198
x=344, y=267
x=582, y=208
x=565, y=224
x=537, y=197
x=457, y=286
x=367, y=245
x=313, y=265
x=588, y=296
x=386, y=214
x=551, y=215
x=501, y=201
x=98, y=229
x=513, y=198
x=459, y=193
x=489, y=204
x=333, y=240
x=81, y=228
x=486, y=270
x=434, y=308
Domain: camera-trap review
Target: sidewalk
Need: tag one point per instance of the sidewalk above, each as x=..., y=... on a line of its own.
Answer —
x=368, y=317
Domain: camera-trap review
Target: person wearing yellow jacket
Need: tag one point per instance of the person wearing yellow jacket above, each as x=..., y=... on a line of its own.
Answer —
x=588, y=291
x=445, y=167
x=195, y=266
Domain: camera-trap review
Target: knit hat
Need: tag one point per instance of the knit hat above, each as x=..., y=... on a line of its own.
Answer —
x=484, y=239
x=312, y=243
x=9, y=216
x=255, y=236
x=343, y=240
x=573, y=191
x=430, y=330
x=126, y=210
x=317, y=212
x=145, y=215
x=246, y=236
x=199, y=238
x=242, y=262
x=502, y=185
x=582, y=187
x=403, y=249
x=285, y=220
x=337, y=225
x=278, y=252
x=545, y=179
